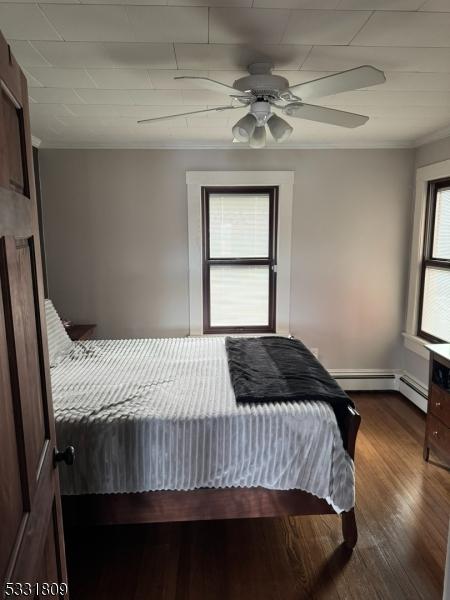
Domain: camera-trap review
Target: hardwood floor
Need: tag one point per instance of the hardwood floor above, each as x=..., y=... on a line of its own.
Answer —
x=403, y=509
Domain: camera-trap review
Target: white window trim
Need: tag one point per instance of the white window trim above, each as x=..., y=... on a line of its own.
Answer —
x=423, y=176
x=284, y=180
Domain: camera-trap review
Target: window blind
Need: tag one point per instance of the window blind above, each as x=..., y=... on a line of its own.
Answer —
x=238, y=226
x=441, y=240
x=239, y=296
x=436, y=303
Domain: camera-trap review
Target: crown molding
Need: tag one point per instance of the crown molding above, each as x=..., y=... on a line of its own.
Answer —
x=240, y=147
x=440, y=134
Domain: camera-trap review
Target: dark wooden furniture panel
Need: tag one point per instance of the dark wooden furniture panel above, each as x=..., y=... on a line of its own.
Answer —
x=31, y=536
x=437, y=434
x=207, y=504
x=440, y=404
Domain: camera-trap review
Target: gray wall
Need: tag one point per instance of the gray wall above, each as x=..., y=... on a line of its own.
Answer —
x=116, y=238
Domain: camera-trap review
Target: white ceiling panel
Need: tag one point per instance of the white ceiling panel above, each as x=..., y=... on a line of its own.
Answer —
x=26, y=22
x=150, y=112
x=48, y=110
x=243, y=25
x=44, y=95
x=76, y=22
x=436, y=5
x=164, y=80
x=339, y=58
x=157, y=97
x=380, y=4
x=94, y=96
x=31, y=81
x=93, y=110
x=298, y=4
x=324, y=26
x=99, y=55
x=62, y=78
x=416, y=82
x=34, y=1
x=381, y=98
x=117, y=79
x=123, y=2
x=243, y=3
x=169, y=23
x=192, y=97
x=26, y=55
x=418, y=29
x=411, y=113
x=231, y=56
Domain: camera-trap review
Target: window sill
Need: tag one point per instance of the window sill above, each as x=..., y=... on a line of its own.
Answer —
x=416, y=344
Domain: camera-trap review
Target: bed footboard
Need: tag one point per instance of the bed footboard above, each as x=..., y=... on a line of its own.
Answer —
x=205, y=504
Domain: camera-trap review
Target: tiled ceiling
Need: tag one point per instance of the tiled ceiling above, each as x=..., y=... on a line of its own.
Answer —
x=95, y=67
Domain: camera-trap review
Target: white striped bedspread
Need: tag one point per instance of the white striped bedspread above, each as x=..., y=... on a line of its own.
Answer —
x=160, y=414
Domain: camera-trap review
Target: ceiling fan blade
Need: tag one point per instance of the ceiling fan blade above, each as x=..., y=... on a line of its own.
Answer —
x=353, y=79
x=185, y=114
x=215, y=86
x=323, y=114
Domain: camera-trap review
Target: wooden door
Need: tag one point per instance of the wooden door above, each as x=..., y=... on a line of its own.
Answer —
x=31, y=537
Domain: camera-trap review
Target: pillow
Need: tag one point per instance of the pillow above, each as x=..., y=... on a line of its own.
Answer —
x=59, y=343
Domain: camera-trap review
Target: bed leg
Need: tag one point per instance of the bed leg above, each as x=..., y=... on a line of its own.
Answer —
x=349, y=529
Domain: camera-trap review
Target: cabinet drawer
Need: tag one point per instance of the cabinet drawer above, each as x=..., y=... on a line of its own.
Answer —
x=438, y=435
x=439, y=404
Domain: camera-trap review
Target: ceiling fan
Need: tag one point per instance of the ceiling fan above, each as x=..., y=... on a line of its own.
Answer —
x=262, y=92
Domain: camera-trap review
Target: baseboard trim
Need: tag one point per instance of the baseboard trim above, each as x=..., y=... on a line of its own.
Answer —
x=367, y=380
x=360, y=380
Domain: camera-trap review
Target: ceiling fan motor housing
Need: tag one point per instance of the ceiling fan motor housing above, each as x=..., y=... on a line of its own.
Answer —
x=260, y=85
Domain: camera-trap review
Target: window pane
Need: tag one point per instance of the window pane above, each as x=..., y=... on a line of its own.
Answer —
x=436, y=303
x=239, y=296
x=239, y=225
x=441, y=241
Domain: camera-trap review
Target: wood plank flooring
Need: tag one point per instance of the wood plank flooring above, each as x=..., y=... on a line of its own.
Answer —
x=403, y=509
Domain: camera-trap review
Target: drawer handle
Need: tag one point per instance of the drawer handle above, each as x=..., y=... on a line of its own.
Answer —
x=435, y=433
x=437, y=404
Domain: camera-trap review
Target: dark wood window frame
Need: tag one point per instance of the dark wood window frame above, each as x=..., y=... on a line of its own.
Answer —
x=270, y=261
x=428, y=259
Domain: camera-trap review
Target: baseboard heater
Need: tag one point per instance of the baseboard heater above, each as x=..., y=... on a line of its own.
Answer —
x=414, y=387
x=366, y=376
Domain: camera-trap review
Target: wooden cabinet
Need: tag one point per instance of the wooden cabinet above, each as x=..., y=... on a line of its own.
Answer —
x=437, y=436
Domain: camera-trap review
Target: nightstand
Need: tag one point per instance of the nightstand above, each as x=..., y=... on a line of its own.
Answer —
x=437, y=435
x=78, y=332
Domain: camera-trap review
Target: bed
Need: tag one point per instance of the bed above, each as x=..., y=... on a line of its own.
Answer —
x=159, y=437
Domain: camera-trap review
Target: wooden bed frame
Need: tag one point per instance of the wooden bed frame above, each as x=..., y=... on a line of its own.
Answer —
x=207, y=504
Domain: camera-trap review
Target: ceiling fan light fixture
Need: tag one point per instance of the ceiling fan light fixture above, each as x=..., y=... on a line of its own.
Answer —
x=258, y=139
x=279, y=128
x=244, y=128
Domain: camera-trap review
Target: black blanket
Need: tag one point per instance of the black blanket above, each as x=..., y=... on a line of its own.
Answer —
x=277, y=369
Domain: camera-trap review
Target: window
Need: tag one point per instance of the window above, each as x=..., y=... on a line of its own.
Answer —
x=434, y=308
x=239, y=259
